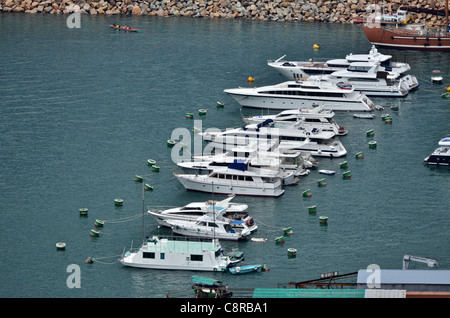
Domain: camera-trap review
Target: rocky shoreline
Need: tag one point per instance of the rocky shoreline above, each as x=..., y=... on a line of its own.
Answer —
x=340, y=11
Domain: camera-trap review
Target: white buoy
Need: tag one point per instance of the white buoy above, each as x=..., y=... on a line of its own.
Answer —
x=60, y=246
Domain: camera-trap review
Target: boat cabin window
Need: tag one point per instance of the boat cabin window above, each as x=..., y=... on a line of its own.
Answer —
x=148, y=255
x=317, y=71
x=241, y=154
x=162, y=255
x=228, y=228
x=196, y=258
x=292, y=138
x=304, y=93
x=359, y=68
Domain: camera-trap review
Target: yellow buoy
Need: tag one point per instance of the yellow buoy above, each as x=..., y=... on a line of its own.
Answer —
x=250, y=79
x=448, y=89
x=315, y=46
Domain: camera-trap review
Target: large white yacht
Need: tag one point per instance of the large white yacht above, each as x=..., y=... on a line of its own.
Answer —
x=178, y=253
x=368, y=78
x=317, y=142
x=308, y=93
x=211, y=225
x=194, y=210
x=303, y=69
x=294, y=162
x=238, y=179
x=441, y=155
x=307, y=118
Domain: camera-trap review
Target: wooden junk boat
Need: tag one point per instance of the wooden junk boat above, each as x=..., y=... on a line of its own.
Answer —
x=397, y=31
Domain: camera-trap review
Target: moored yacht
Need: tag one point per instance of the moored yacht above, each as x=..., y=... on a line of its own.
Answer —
x=236, y=179
x=307, y=118
x=193, y=211
x=308, y=93
x=178, y=253
x=441, y=155
x=303, y=69
x=288, y=161
x=211, y=226
x=317, y=142
x=368, y=78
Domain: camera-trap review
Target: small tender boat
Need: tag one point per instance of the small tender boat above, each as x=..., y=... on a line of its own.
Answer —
x=244, y=269
x=440, y=156
x=122, y=27
x=329, y=172
x=365, y=116
x=205, y=287
x=436, y=77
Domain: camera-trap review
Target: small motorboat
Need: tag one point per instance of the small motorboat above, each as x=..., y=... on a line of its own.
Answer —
x=365, y=116
x=436, y=77
x=122, y=27
x=205, y=287
x=244, y=269
x=329, y=172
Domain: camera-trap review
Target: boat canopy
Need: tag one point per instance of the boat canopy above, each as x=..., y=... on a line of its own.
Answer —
x=206, y=281
x=238, y=165
x=445, y=141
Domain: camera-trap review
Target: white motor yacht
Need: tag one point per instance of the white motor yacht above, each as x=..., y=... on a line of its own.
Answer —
x=370, y=79
x=303, y=69
x=308, y=93
x=193, y=211
x=317, y=142
x=296, y=162
x=211, y=226
x=308, y=118
x=441, y=155
x=236, y=179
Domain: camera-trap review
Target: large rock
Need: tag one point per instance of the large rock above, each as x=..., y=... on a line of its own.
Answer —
x=136, y=10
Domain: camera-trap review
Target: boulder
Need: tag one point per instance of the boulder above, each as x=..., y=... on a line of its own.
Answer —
x=136, y=10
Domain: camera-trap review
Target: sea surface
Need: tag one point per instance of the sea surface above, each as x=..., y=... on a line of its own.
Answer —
x=83, y=109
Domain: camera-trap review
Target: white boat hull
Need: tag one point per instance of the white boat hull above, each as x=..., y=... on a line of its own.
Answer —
x=256, y=100
x=164, y=219
x=204, y=183
x=178, y=254
x=136, y=260
x=208, y=233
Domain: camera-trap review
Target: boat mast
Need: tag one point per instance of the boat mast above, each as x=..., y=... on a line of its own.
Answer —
x=446, y=16
x=143, y=213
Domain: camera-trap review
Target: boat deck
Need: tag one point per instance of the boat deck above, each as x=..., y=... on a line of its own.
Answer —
x=180, y=245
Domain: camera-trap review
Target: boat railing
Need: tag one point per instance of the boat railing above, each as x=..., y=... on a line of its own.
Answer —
x=180, y=238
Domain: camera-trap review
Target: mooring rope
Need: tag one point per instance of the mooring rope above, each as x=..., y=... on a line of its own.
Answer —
x=133, y=217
